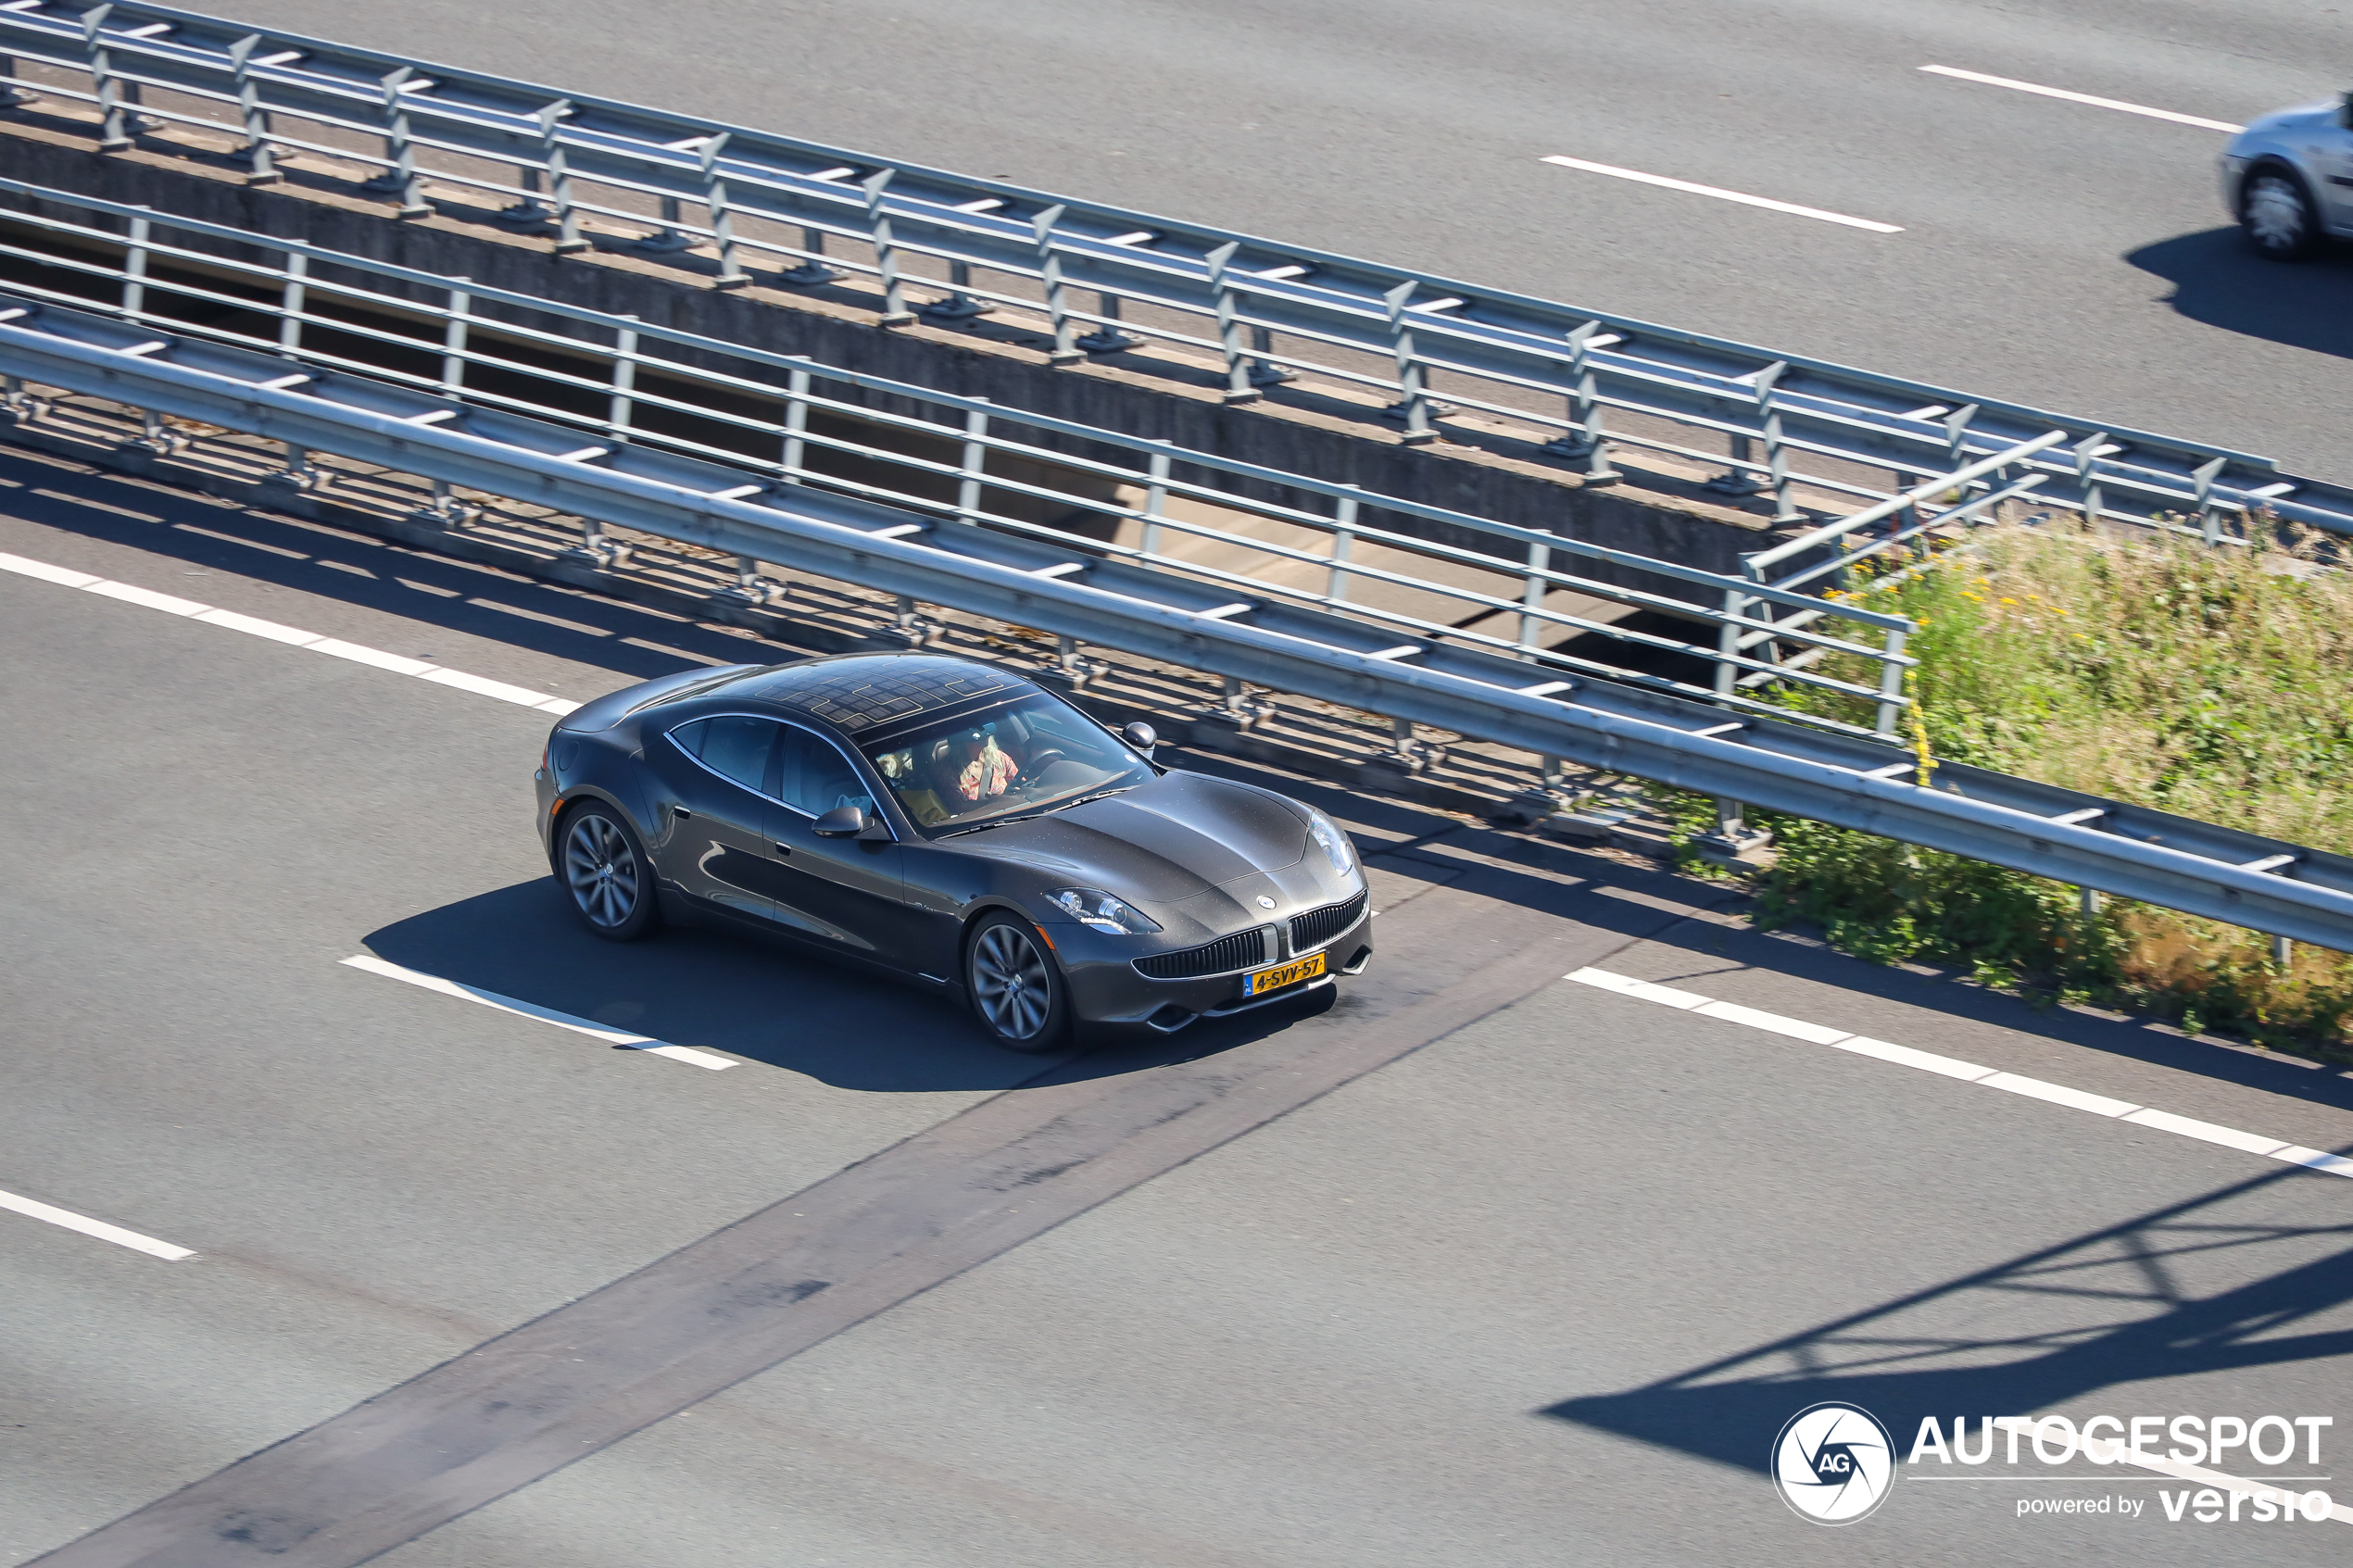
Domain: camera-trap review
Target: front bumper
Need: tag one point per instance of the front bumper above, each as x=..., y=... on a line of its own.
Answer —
x=1106, y=988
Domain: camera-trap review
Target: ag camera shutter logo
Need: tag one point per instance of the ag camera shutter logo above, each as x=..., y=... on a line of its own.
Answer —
x=1833, y=1463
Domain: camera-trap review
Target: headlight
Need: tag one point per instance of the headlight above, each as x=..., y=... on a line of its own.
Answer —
x=1098, y=911
x=1332, y=842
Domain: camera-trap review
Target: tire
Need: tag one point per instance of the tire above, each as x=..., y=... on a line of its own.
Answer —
x=1015, y=986
x=606, y=873
x=2277, y=216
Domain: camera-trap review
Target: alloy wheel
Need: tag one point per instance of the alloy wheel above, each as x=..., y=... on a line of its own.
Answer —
x=601, y=869
x=1011, y=984
x=2276, y=219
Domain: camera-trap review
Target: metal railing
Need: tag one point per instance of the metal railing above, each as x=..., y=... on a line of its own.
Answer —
x=2201, y=868
x=620, y=381
x=741, y=205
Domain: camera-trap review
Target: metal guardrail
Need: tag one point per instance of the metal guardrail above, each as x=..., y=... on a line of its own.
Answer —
x=615, y=378
x=799, y=213
x=2201, y=868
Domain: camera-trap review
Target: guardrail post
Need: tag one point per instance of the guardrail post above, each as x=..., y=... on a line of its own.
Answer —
x=18, y=405
x=596, y=550
x=625, y=382
x=293, y=298
x=260, y=169
x=1891, y=681
x=1050, y=274
x=1343, y=546
x=750, y=589
x=1589, y=442
x=960, y=306
x=1263, y=371
x=973, y=466
x=445, y=511
x=400, y=179
x=1776, y=455
x=1540, y=560
x=14, y=94
x=116, y=130
x=134, y=270
x=1412, y=404
x=551, y=153
x=2087, y=451
x=895, y=312
x=453, y=341
x=300, y=472
x=722, y=220
x=2209, y=515
x=812, y=270
x=1956, y=435
x=1107, y=338
x=1239, y=387
x=1155, y=498
x=795, y=423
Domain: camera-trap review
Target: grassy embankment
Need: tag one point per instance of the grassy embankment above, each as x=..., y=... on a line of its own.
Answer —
x=2217, y=684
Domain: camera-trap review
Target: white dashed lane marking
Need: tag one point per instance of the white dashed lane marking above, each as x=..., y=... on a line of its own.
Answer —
x=1967, y=1072
x=589, y=1027
x=2117, y=104
x=67, y=1219
x=1722, y=195
x=294, y=636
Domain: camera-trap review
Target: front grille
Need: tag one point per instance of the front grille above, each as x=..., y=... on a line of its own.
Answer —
x=1312, y=930
x=1228, y=953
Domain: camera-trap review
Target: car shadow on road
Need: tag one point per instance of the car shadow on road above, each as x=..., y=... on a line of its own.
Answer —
x=711, y=988
x=2218, y=281
x=2238, y=1278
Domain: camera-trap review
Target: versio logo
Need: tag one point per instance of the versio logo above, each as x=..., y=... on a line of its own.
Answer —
x=1833, y=1463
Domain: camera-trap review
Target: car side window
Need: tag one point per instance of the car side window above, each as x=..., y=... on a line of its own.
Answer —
x=732, y=745
x=816, y=777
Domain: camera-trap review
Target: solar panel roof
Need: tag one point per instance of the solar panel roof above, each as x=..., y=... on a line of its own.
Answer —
x=880, y=691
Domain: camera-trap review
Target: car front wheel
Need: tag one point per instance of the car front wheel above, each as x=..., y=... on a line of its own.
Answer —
x=2277, y=217
x=606, y=871
x=1017, y=988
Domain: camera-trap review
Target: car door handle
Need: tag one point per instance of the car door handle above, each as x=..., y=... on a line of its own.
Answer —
x=784, y=849
x=680, y=812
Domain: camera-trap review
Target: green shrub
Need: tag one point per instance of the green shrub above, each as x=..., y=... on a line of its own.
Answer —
x=2213, y=682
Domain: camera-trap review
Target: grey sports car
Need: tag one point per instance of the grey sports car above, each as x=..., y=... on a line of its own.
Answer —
x=952, y=822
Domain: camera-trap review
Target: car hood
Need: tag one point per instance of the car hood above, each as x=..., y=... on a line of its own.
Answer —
x=1173, y=838
x=2300, y=115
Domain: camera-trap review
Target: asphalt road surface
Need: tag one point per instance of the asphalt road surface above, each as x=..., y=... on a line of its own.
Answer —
x=2051, y=251
x=1479, y=1264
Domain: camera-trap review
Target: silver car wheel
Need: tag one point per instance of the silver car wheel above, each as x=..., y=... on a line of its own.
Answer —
x=2276, y=218
x=1010, y=983
x=601, y=869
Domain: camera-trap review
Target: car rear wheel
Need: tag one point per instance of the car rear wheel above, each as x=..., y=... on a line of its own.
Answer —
x=1015, y=986
x=606, y=871
x=2277, y=217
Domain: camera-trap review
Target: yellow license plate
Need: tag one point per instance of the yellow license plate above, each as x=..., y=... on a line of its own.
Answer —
x=1282, y=975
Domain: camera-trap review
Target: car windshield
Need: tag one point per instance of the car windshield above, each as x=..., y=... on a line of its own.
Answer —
x=1032, y=756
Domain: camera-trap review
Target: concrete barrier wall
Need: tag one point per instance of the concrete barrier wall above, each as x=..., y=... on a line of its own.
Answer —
x=838, y=327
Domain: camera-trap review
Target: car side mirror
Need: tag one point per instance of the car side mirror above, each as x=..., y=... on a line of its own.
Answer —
x=842, y=822
x=1140, y=736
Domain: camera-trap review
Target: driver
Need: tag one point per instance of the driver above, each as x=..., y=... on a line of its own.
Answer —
x=988, y=768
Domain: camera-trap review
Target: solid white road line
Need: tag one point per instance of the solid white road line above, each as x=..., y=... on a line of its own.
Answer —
x=99, y=1228
x=1967, y=1072
x=1722, y=195
x=594, y=1031
x=2041, y=92
x=293, y=635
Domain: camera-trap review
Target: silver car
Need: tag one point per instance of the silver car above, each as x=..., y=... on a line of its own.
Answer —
x=2288, y=178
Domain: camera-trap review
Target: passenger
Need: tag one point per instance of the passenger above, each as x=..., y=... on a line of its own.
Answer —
x=928, y=806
